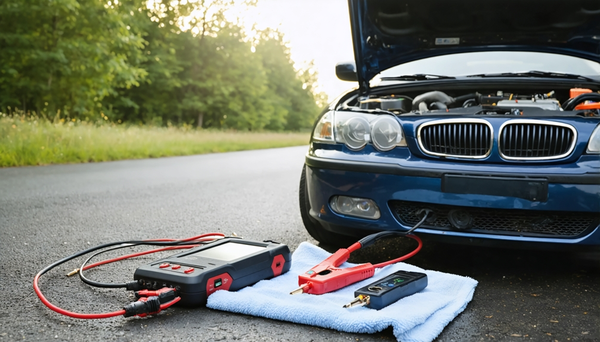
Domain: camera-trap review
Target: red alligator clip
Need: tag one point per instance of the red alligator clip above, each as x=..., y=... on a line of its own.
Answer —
x=326, y=277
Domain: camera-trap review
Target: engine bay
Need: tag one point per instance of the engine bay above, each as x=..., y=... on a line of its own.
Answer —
x=579, y=101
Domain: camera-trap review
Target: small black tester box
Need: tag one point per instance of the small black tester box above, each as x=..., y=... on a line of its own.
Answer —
x=227, y=264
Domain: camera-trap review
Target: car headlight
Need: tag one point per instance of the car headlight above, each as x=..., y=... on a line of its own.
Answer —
x=324, y=129
x=356, y=130
x=594, y=143
x=386, y=133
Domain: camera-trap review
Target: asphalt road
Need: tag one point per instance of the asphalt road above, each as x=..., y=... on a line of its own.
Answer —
x=49, y=212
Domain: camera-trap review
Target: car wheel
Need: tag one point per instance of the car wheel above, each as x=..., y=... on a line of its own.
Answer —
x=313, y=226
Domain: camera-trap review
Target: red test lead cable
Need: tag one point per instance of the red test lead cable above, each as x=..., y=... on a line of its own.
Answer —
x=155, y=306
x=327, y=277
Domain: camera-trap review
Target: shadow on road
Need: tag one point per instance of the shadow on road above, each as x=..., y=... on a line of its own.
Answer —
x=476, y=260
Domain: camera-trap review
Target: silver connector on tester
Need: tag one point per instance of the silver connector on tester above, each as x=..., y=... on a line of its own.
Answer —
x=361, y=300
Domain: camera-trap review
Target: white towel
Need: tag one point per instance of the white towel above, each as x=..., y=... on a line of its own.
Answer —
x=419, y=317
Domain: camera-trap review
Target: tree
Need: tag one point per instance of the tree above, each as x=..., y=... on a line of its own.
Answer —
x=154, y=99
x=66, y=54
x=291, y=92
x=176, y=61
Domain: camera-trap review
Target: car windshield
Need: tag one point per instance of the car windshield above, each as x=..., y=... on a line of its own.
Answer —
x=473, y=63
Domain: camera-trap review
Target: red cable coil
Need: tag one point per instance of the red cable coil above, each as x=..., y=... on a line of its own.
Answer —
x=38, y=292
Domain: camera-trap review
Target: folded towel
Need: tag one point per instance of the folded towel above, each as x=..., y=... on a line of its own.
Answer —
x=420, y=317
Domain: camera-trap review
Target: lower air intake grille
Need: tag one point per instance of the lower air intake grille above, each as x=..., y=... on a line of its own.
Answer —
x=499, y=221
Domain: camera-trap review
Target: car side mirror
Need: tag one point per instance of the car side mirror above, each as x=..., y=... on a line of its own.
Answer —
x=346, y=71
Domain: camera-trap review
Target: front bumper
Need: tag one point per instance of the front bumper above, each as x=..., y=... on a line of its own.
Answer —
x=549, y=192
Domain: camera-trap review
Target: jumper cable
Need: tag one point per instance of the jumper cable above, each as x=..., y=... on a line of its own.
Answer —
x=327, y=277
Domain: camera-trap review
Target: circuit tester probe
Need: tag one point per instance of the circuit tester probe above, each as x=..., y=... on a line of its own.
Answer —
x=389, y=289
x=213, y=262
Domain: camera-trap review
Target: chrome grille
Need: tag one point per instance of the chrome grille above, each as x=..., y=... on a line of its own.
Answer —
x=531, y=139
x=456, y=138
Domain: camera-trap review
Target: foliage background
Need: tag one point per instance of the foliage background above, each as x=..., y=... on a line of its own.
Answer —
x=159, y=62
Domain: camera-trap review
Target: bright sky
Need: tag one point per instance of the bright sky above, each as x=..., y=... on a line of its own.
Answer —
x=316, y=30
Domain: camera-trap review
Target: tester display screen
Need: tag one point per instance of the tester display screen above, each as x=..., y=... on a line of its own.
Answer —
x=229, y=251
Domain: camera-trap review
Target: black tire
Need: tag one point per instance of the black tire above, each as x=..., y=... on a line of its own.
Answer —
x=313, y=227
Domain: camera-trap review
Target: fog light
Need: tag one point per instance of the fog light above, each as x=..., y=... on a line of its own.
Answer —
x=460, y=219
x=354, y=206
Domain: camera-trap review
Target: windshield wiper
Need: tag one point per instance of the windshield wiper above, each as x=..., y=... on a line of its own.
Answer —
x=417, y=77
x=535, y=73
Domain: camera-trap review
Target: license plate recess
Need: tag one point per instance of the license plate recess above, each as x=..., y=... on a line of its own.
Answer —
x=532, y=189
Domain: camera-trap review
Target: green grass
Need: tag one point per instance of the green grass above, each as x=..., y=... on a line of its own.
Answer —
x=29, y=140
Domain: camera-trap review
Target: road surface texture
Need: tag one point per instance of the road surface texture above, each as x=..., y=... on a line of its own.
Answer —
x=49, y=212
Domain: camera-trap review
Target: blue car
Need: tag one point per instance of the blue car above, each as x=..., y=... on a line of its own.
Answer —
x=473, y=121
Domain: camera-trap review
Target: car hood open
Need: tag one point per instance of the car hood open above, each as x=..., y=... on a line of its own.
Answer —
x=390, y=32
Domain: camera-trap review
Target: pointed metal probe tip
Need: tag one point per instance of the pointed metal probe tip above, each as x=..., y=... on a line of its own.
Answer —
x=299, y=290
x=358, y=301
x=73, y=272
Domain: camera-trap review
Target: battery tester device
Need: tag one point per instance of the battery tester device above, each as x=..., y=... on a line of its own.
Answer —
x=227, y=264
x=211, y=262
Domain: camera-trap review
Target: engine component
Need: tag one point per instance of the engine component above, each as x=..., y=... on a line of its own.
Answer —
x=392, y=104
x=546, y=104
x=422, y=101
x=571, y=103
x=437, y=100
x=498, y=103
x=502, y=101
x=574, y=92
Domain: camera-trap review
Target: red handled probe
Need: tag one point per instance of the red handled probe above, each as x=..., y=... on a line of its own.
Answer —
x=327, y=277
